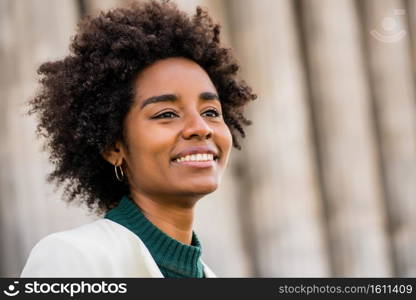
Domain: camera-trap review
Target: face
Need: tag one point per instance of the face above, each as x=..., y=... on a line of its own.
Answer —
x=176, y=141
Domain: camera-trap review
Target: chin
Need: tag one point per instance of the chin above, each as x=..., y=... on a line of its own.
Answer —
x=202, y=188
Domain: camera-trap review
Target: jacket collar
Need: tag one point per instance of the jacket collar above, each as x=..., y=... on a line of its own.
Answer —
x=146, y=259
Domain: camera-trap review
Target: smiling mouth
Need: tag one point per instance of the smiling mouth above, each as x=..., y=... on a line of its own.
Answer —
x=196, y=160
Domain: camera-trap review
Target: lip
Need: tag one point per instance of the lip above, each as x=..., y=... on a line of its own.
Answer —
x=196, y=164
x=195, y=150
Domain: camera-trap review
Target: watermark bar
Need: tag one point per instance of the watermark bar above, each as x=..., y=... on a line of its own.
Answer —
x=212, y=288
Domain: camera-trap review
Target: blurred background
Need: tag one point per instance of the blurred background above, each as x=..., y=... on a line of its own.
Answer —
x=326, y=182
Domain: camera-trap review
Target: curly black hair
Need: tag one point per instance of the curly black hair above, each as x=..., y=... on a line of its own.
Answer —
x=85, y=97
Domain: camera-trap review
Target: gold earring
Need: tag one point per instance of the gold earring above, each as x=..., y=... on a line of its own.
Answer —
x=119, y=172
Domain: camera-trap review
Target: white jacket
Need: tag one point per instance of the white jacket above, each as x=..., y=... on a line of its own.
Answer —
x=102, y=248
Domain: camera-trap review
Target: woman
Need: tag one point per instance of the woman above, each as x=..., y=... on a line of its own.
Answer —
x=139, y=120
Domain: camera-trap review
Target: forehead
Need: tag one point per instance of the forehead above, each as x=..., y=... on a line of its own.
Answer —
x=173, y=74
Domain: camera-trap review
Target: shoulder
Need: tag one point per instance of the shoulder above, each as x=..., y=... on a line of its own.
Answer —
x=101, y=248
x=99, y=232
x=92, y=236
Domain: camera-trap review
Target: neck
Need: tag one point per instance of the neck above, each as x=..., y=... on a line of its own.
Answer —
x=174, y=220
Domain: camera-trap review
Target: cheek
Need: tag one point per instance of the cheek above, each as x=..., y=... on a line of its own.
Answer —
x=150, y=147
x=225, y=140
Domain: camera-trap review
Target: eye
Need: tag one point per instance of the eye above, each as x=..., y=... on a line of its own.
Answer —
x=166, y=115
x=213, y=113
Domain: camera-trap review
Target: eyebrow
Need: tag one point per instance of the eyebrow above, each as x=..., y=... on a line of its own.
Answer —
x=174, y=98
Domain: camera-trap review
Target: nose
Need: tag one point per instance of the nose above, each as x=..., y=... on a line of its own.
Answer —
x=196, y=126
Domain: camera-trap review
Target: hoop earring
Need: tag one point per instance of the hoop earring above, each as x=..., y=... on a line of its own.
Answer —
x=119, y=174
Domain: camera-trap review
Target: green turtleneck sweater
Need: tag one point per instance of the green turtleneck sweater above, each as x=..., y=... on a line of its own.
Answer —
x=174, y=259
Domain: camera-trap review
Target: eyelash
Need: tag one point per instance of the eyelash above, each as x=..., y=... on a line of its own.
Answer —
x=217, y=114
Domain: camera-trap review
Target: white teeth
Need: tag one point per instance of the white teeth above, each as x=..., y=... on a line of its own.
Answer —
x=196, y=157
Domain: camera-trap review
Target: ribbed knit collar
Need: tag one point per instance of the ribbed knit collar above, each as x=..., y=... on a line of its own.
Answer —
x=174, y=258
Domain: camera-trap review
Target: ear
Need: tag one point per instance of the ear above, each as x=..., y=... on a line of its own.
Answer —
x=114, y=154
